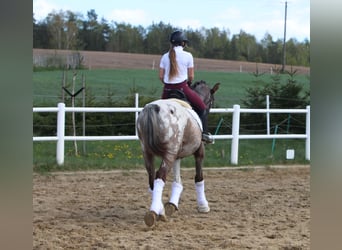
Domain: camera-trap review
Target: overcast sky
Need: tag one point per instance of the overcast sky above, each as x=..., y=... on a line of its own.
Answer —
x=254, y=17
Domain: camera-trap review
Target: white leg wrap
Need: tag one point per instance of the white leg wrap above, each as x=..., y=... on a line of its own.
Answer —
x=157, y=204
x=202, y=202
x=176, y=191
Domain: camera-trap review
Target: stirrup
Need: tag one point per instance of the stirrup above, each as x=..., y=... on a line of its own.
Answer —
x=208, y=138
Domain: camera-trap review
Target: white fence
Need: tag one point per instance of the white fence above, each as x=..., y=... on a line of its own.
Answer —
x=235, y=136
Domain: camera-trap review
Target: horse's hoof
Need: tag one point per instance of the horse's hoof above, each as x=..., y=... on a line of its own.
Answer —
x=150, y=218
x=203, y=209
x=170, y=208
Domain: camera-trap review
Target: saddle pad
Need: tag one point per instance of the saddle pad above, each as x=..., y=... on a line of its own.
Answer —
x=189, y=109
x=195, y=115
x=183, y=103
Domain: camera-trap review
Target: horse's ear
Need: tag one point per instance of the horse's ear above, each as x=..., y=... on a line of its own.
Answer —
x=215, y=88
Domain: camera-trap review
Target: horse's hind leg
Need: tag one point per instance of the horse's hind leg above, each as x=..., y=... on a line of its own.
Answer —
x=202, y=202
x=149, y=165
x=176, y=190
x=155, y=189
x=157, y=208
x=150, y=217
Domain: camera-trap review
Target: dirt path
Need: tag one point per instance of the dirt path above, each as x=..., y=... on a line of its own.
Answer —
x=250, y=209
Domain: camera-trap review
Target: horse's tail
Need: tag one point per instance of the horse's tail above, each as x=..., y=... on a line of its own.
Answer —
x=149, y=125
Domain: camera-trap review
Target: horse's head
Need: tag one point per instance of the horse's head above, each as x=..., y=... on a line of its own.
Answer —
x=205, y=92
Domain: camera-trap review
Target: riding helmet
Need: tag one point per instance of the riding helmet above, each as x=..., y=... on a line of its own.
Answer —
x=178, y=37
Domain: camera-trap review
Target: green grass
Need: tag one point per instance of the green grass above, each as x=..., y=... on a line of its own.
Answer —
x=47, y=85
x=47, y=89
x=108, y=155
x=100, y=82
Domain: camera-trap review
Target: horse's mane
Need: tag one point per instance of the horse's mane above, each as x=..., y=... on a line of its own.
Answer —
x=203, y=90
x=197, y=83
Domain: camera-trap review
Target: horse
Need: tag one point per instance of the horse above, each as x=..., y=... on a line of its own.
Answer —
x=171, y=130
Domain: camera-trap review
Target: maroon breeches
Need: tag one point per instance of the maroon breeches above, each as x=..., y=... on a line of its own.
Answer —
x=195, y=101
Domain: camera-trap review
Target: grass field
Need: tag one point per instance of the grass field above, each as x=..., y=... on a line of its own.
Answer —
x=47, y=85
x=123, y=82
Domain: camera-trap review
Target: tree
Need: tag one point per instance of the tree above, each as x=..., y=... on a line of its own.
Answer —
x=244, y=47
x=55, y=23
x=67, y=30
x=105, y=33
x=289, y=95
x=94, y=35
x=126, y=38
x=271, y=50
x=157, y=38
x=297, y=53
x=41, y=36
x=197, y=42
x=71, y=31
x=216, y=44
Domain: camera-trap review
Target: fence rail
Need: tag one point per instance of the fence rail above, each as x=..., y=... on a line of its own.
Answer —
x=235, y=136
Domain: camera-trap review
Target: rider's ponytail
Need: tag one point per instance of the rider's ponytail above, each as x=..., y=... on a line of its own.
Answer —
x=173, y=63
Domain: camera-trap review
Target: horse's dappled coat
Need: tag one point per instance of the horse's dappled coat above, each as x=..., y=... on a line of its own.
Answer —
x=169, y=130
x=169, y=125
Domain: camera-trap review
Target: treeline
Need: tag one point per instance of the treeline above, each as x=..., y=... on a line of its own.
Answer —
x=69, y=30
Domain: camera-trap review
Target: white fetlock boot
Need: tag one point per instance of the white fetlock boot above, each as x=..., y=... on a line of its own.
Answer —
x=176, y=191
x=157, y=208
x=157, y=193
x=202, y=202
x=172, y=205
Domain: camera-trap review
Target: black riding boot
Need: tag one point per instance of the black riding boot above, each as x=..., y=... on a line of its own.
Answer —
x=206, y=136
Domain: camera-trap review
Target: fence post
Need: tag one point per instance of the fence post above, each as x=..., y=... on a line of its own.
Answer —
x=136, y=113
x=307, y=131
x=60, y=133
x=235, y=133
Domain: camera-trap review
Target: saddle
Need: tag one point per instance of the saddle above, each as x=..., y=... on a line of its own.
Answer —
x=178, y=96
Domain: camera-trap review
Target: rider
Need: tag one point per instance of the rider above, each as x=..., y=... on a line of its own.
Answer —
x=176, y=71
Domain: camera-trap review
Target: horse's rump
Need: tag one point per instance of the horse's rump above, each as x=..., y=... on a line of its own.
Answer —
x=165, y=127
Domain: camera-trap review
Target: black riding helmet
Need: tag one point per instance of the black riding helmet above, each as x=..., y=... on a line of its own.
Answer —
x=178, y=37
